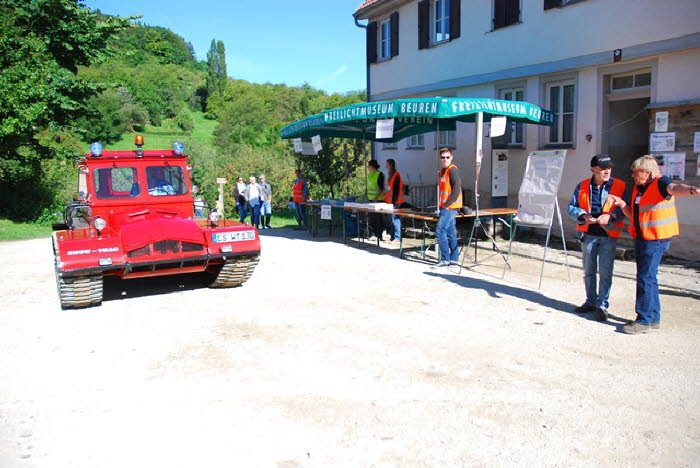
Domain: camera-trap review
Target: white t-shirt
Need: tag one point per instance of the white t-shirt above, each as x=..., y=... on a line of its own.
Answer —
x=253, y=191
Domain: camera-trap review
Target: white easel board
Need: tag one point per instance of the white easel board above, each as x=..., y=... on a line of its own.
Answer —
x=538, y=192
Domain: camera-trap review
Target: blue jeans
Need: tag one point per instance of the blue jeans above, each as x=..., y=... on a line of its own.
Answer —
x=254, y=207
x=446, y=232
x=242, y=211
x=648, y=254
x=301, y=214
x=396, y=225
x=266, y=208
x=598, y=260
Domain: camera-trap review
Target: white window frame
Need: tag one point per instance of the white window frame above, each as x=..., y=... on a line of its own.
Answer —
x=560, y=114
x=513, y=137
x=440, y=18
x=446, y=139
x=416, y=141
x=634, y=75
x=384, y=41
x=390, y=146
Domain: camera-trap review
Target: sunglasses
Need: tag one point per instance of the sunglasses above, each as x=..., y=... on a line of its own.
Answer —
x=445, y=157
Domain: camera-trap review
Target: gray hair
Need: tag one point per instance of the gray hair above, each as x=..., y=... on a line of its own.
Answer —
x=647, y=163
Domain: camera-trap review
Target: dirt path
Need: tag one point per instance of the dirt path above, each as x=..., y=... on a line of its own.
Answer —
x=337, y=356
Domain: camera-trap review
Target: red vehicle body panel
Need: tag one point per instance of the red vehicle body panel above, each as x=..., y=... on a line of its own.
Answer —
x=145, y=234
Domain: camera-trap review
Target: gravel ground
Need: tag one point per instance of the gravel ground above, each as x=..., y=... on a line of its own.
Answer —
x=332, y=355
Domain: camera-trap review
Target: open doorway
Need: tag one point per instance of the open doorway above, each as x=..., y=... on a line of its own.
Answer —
x=626, y=120
x=628, y=137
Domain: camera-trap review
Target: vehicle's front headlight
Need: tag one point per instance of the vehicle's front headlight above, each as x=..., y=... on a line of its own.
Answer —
x=100, y=223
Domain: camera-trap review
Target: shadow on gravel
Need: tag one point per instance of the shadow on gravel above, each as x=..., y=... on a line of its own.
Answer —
x=679, y=293
x=117, y=288
x=499, y=290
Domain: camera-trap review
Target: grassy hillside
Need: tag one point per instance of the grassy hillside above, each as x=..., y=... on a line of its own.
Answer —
x=11, y=230
x=164, y=136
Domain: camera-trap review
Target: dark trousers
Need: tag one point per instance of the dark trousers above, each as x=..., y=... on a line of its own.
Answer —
x=376, y=224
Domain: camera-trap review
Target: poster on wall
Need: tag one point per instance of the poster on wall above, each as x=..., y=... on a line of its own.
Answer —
x=661, y=122
x=672, y=165
x=662, y=142
x=499, y=173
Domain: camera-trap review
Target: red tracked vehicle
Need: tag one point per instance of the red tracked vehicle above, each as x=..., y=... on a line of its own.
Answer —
x=134, y=217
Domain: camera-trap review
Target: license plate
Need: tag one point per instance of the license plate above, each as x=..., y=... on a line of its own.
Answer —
x=235, y=236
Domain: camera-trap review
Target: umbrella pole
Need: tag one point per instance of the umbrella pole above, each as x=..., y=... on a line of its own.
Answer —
x=439, y=164
x=364, y=153
x=478, y=158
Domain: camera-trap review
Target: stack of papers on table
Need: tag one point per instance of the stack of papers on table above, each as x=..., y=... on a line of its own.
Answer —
x=370, y=206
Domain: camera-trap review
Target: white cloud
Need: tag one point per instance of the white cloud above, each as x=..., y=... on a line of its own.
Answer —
x=329, y=78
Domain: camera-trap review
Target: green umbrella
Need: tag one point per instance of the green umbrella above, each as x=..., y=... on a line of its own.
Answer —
x=411, y=117
x=415, y=116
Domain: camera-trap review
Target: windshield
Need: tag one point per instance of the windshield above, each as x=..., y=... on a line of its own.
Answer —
x=165, y=180
x=116, y=182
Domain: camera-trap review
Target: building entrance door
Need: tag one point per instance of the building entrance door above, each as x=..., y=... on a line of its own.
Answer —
x=625, y=118
x=628, y=134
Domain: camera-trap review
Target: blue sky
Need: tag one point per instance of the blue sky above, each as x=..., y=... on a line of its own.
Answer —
x=276, y=41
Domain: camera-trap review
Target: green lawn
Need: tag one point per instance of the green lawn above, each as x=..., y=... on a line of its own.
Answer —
x=10, y=230
x=162, y=137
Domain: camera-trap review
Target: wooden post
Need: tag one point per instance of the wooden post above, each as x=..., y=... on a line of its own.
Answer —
x=220, y=201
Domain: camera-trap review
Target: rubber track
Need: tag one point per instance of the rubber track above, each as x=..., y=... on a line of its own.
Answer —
x=235, y=272
x=81, y=291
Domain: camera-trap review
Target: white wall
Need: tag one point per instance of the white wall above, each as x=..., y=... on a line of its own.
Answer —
x=679, y=76
x=588, y=27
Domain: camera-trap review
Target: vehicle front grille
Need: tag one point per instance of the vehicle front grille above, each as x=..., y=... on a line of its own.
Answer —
x=165, y=247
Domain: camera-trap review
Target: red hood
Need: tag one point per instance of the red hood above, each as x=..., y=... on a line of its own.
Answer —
x=140, y=233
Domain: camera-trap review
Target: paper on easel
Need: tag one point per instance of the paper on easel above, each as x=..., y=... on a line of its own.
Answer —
x=385, y=128
x=537, y=197
x=498, y=126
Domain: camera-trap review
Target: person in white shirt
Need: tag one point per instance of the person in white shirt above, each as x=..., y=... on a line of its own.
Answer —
x=253, y=201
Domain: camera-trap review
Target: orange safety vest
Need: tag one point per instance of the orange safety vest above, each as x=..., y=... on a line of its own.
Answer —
x=658, y=218
x=389, y=193
x=298, y=191
x=446, y=189
x=584, y=202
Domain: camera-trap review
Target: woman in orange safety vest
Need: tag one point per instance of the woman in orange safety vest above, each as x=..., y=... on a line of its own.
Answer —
x=651, y=209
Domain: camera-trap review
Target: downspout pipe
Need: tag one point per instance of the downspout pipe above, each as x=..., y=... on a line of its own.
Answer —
x=367, y=83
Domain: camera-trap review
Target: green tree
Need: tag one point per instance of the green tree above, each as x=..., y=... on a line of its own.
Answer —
x=216, y=68
x=42, y=44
